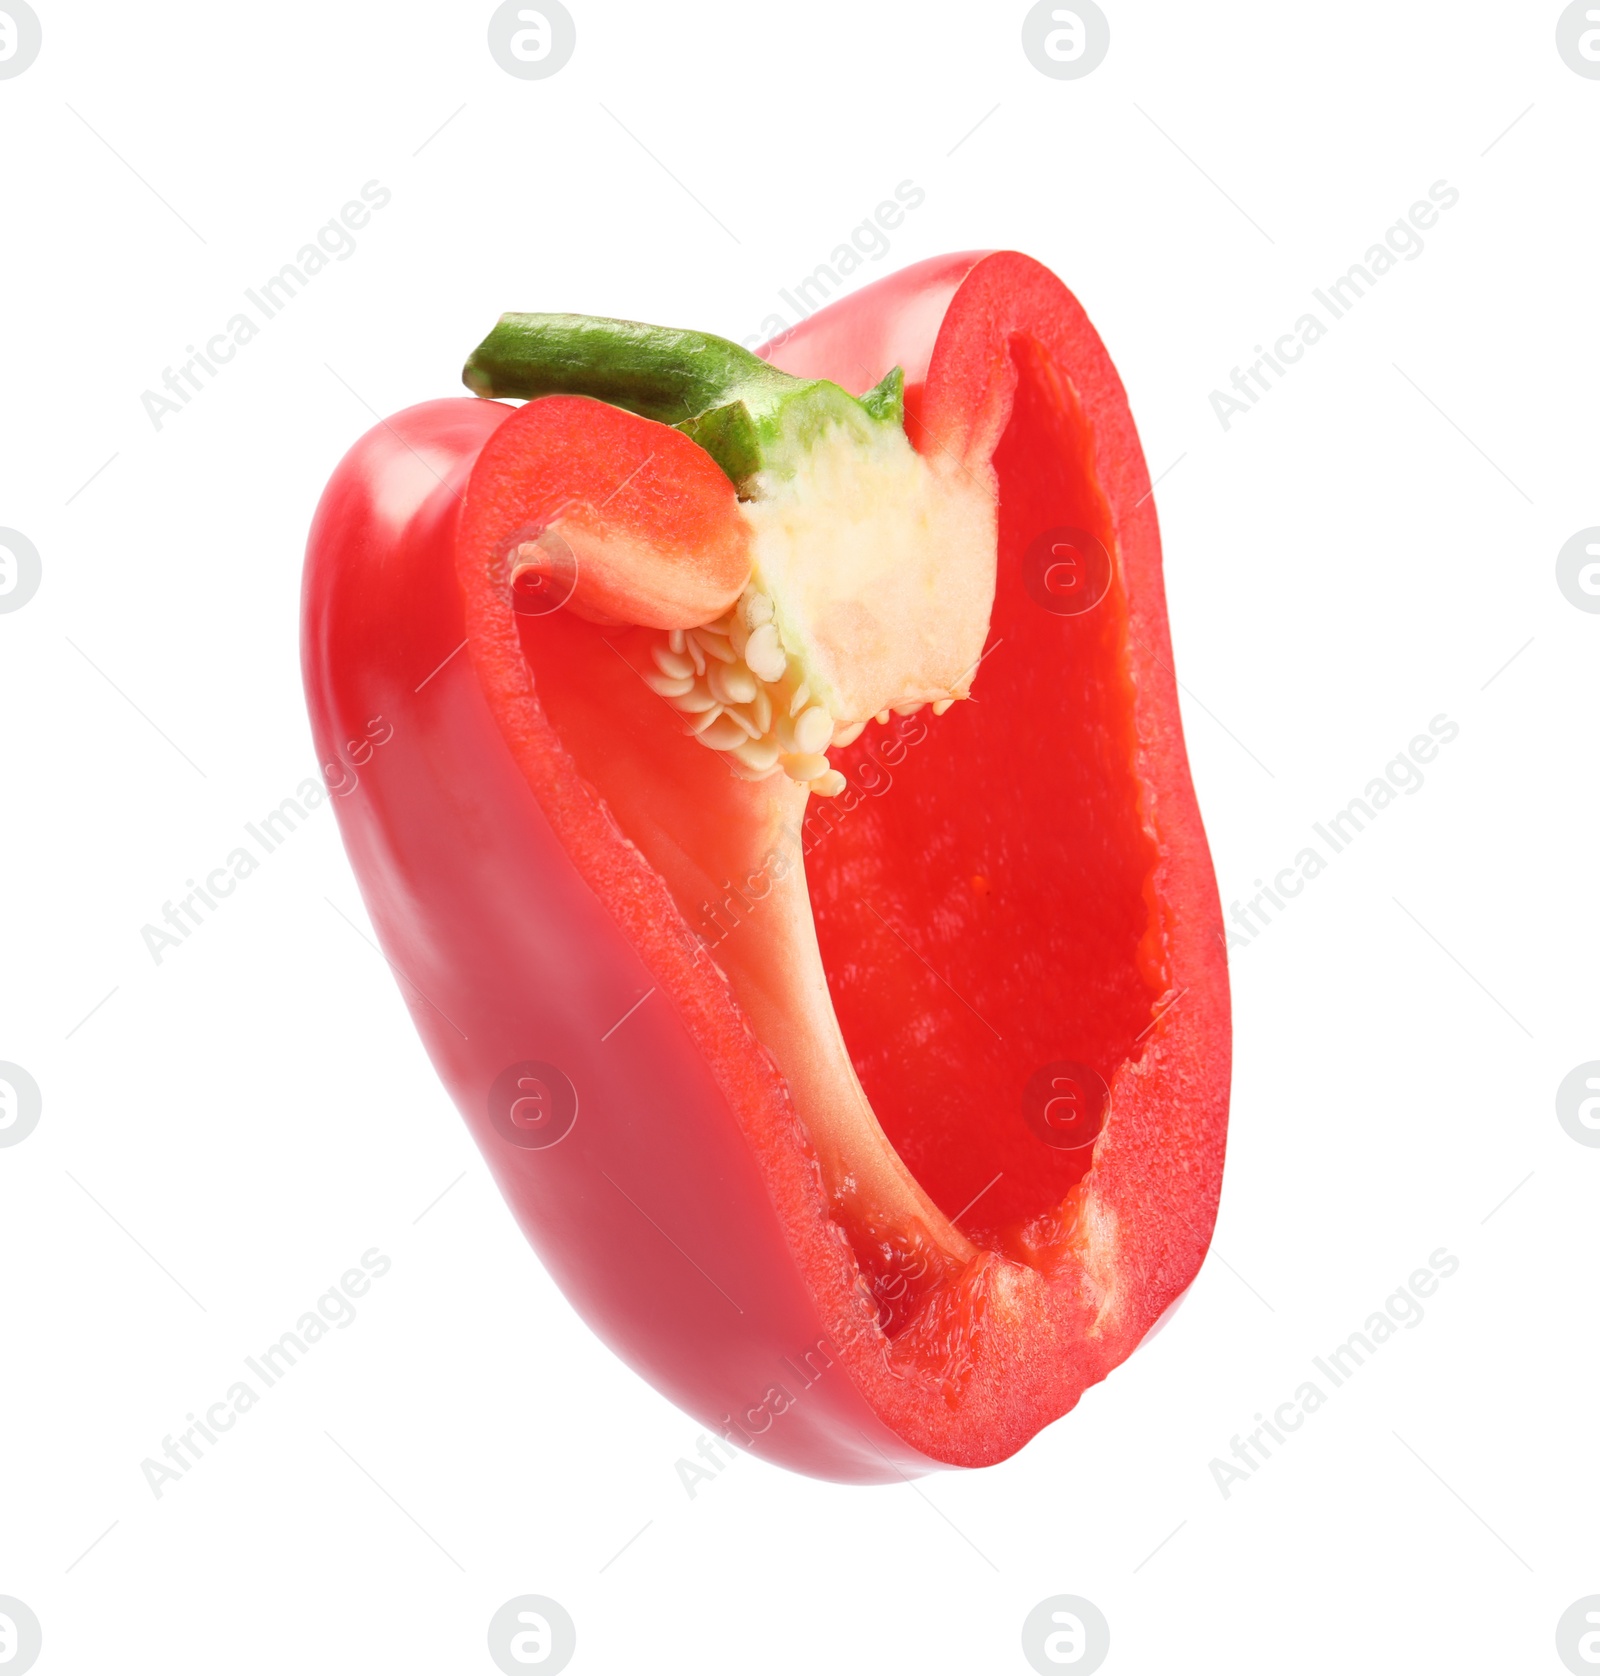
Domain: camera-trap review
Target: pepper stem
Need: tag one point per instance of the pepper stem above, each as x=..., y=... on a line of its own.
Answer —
x=744, y=412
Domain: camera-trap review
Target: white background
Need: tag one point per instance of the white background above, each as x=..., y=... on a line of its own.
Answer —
x=229, y=1130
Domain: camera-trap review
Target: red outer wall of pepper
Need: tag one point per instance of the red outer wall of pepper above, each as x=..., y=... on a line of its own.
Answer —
x=680, y=1213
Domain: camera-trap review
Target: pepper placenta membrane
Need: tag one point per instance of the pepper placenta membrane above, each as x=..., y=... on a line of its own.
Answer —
x=787, y=850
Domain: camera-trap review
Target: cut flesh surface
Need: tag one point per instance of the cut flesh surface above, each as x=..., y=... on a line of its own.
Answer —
x=909, y=960
x=989, y=892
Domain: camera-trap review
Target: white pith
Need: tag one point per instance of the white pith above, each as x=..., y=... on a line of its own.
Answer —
x=871, y=585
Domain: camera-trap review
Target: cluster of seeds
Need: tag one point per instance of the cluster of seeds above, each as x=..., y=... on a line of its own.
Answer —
x=742, y=695
x=745, y=697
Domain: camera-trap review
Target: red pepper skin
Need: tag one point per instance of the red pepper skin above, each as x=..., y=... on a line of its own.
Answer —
x=681, y=1212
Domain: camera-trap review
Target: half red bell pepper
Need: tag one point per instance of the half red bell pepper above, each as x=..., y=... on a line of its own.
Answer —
x=874, y=1108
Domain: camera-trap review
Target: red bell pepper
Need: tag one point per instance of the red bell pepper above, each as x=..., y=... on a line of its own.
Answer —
x=874, y=1108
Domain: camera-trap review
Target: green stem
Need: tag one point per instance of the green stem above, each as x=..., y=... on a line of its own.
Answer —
x=664, y=374
x=744, y=412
